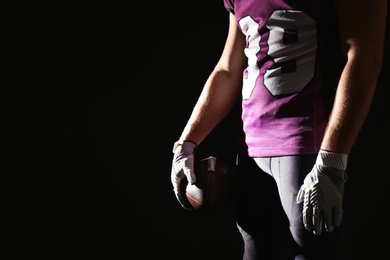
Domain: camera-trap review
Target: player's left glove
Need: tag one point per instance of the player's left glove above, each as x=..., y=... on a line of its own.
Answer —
x=182, y=171
x=322, y=192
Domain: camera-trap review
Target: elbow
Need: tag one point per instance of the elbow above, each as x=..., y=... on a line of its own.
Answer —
x=368, y=60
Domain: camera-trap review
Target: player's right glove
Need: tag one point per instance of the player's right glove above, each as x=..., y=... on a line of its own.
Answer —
x=182, y=171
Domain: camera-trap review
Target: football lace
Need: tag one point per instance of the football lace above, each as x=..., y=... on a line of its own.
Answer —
x=211, y=165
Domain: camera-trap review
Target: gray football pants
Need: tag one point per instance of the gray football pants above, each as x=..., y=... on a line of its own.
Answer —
x=270, y=220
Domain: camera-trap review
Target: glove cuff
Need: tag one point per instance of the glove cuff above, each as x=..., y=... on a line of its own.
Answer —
x=189, y=144
x=332, y=159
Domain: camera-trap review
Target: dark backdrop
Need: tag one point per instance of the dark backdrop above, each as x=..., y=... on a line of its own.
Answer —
x=93, y=95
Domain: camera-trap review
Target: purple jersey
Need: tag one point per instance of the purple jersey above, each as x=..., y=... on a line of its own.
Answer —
x=293, y=68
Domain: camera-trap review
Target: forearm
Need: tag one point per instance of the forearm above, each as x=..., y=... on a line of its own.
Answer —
x=352, y=103
x=218, y=96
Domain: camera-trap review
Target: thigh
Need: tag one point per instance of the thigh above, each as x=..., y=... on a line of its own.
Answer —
x=259, y=214
x=289, y=173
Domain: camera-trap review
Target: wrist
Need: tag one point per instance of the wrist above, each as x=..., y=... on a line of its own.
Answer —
x=332, y=159
x=183, y=142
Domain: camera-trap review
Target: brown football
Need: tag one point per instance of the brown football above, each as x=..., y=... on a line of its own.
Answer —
x=214, y=187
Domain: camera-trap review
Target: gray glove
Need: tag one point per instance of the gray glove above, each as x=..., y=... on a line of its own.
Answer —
x=182, y=171
x=322, y=195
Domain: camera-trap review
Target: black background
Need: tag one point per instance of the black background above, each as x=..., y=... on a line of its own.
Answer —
x=93, y=95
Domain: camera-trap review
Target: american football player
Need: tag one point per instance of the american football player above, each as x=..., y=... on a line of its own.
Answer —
x=306, y=73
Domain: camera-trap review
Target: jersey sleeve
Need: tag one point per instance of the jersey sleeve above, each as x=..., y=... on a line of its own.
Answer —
x=229, y=5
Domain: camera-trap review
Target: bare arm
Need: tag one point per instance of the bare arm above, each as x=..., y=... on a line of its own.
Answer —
x=221, y=90
x=362, y=28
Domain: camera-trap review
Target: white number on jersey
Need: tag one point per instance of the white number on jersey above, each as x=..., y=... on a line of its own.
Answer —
x=292, y=46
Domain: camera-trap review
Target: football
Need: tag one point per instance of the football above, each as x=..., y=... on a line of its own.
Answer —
x=214, y=187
